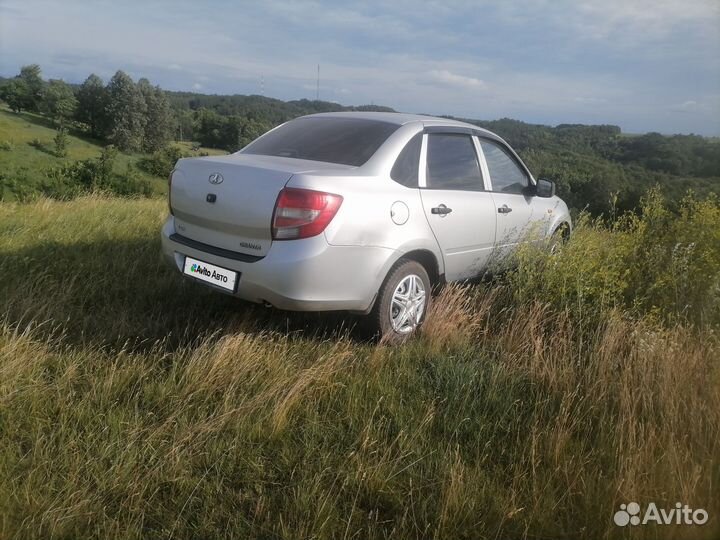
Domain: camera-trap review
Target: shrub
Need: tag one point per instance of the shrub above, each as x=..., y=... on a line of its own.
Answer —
x=37, y=143
x=61, y=142
x=657, y=264
x=129, y=184
x=6, y=145
x=71, y=180
x=675, y=261
x=161, y=162
x=16, y=185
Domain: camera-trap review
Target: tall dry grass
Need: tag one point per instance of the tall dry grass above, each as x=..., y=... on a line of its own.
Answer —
x=146, y=409
x=525, y=433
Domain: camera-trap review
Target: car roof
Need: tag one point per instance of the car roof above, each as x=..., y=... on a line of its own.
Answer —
x=402, y=119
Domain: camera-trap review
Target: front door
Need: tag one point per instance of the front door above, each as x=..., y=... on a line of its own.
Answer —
x=459, y=210
x=513, y=202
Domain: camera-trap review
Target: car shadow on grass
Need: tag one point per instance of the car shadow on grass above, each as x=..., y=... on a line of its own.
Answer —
x=119, y=293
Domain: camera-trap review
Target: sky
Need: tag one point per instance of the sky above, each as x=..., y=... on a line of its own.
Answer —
x=645, y=65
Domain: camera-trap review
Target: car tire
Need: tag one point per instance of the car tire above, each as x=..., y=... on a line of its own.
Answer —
x=390, y=320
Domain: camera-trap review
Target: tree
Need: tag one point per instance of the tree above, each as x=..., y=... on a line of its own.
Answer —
x=30, y=75
x=185, y=123
x=61, y=142
x=58, y=102
x=106, y=163
x=126, y=112
x=251, y=130
x=210, y=127
x=14, y=92
x=92, y=103
x=160, y=123
x=226, y=132
x=24, y=92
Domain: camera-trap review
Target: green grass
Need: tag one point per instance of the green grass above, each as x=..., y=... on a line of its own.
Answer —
x=136, y=405
x=23, y=159
x=20, y=130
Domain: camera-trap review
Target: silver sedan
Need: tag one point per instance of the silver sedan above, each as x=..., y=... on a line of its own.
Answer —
x=364, y=212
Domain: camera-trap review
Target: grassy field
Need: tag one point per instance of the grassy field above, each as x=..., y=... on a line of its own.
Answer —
x=27, y=151
x=136, y=405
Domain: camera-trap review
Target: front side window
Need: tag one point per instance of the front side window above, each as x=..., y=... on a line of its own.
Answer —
x=346, y=141
x=452, y=163
x=405, y=170
x=505, y=174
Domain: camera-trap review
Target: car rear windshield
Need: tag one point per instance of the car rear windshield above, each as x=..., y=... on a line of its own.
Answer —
x=347, y=141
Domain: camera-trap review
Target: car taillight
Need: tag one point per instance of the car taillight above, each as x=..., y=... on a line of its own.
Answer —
x=301, y=213
x=170, y=191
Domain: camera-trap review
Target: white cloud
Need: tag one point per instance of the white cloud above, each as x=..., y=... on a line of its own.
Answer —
x=453, y=79
x=689, y=105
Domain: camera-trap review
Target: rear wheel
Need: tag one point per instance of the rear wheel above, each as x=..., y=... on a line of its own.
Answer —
x=402, y=302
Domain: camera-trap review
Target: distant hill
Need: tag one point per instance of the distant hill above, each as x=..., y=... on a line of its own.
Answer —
x=260, y=107
x=595, y=167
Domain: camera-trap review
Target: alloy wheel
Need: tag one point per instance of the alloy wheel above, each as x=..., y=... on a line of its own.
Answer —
x=408, y=304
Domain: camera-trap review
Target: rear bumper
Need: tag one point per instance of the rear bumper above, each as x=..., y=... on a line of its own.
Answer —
x=297, y=275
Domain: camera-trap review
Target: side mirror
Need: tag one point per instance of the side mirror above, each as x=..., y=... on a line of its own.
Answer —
x=545, y=188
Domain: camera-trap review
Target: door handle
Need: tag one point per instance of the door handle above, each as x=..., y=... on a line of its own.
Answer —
x=504, y=209
x=441, y=210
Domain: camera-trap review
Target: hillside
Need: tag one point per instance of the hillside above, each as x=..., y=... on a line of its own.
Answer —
x=27, y=155
x=134, y=404
x=596, y=168
x=268, y=109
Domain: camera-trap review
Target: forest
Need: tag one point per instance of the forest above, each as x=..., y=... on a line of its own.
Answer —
x=597, y=168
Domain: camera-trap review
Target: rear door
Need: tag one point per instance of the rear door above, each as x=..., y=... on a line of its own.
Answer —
x=458, y=208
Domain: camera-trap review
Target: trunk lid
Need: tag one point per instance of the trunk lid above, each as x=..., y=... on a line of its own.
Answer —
x=227, y=201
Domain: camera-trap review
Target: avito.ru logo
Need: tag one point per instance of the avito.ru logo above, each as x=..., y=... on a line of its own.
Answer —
x=680, y=515
x=197, y=269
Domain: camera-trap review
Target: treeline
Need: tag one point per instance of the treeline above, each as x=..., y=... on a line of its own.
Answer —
x=132, y=116
x=600, y=169
x=143, y=117
x=596, y=167
x=231, y=122
x=684, y=155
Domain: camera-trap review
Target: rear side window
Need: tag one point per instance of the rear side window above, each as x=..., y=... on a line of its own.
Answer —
x=405, y=170
x=452, y=163
x=347, y=141
x=505, y=174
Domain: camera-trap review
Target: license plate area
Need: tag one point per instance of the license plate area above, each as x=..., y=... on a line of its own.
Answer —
x=215, y=275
